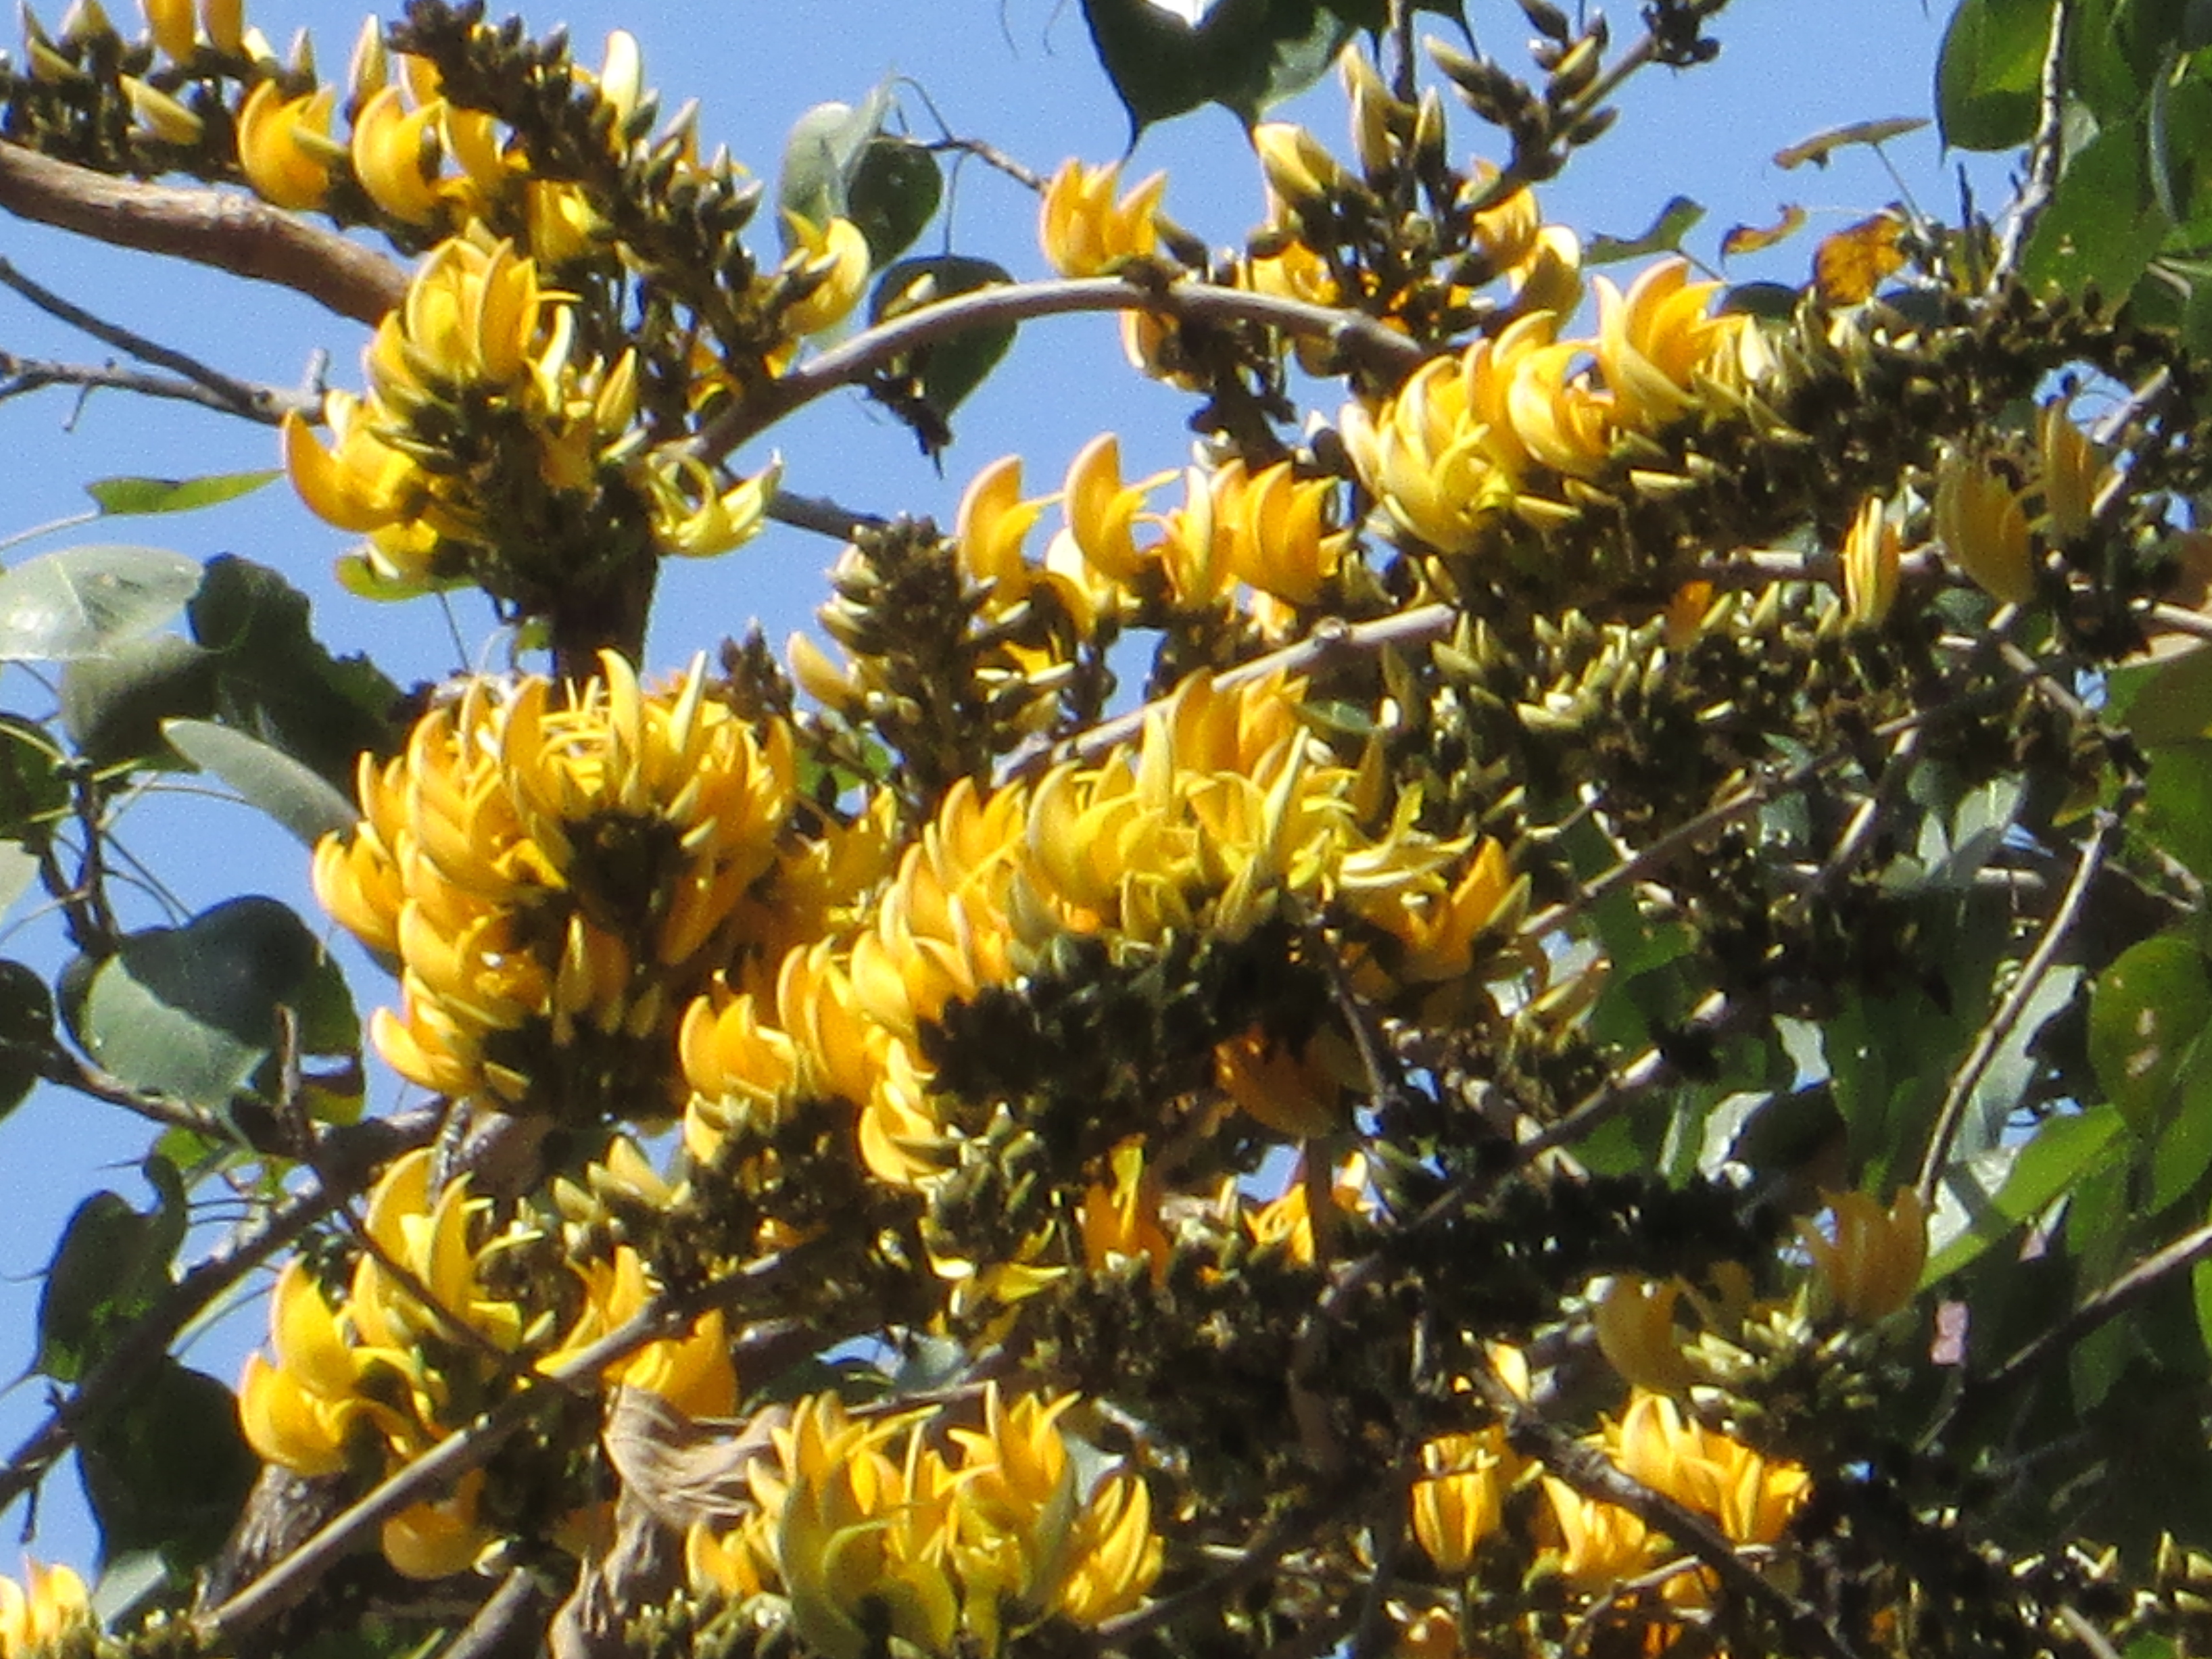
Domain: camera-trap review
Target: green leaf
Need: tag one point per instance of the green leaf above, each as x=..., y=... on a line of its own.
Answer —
x=2177, y=813
x=943, y=373
x=168, y=1468
x=1982, y=1198
x=2146, y=1015
x=1246, y=55
x=275, y=680
x=112, y=706
x=894, y=194
x=822, y=154
x=1676, y=219
x=192, y=1011
x=126, y=495
x=2163, y=702
x=297, y=798
x=85, y=601
x=2103, y=225
x=113, y=1261
x=1989, y=71
x=2184, y=1152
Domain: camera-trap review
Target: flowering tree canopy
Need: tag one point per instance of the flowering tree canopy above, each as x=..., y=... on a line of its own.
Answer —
x=1550, y=1005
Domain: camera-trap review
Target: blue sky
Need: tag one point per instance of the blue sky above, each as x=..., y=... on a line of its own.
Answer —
x=1018, y=73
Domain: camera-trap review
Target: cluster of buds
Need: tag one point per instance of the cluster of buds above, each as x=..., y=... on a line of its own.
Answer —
x=867, y=1520
x=431, y=1327
x=1529, y=426
x=1225, y=812
x=556, y=873
x=1865, y=1266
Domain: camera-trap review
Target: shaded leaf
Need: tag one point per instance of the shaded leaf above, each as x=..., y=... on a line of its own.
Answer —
x=83, y=601
x=1849, y=266
x=1675, y=221
x=2147, y=1013
x=1989, y=71
x=1245, y=55
x=895, y=193
x=2176, y=810
x=1778, y=300
x=111, y=1262
x=26, y=1028
x=192, y=1011
x=821, y=154
x=113, y=706
x=168, y=1468
x=945, y=372
x=116, y=498
x=275, y=680
x=34, y=792
x=1756, y=238
x=289, y=792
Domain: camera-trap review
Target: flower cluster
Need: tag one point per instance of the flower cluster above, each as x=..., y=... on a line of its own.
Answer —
x=556, y=873
x=865, y=1522
x=1517, y=423
x=480, y=368
x=1225, y=812
x=422, y=1339
x=49, y=1614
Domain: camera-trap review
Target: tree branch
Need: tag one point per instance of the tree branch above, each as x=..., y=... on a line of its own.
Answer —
x=1186, y=299
x=223, y=228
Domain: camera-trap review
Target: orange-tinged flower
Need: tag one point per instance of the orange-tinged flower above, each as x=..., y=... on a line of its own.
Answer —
x=1872, y=1265
x=439, y=1539
x=1290, y=1089
x=1121, y=1222
x=1600, y=1544
x=1461, y=1499
x=1102, y=510
x=170, y=21
x=1085, y=231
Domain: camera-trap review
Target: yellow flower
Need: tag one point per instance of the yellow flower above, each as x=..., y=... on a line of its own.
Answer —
x=834, y=258
x=1289, y=1088
x=391, y=144
x=1123, y=1222
x=1438, y=926
x=439, y=1539
x=1085, y=231
x=361, y=484
x=1600, y=1544
x=2073, y=473
x=1655, y=341
x=1871, y=1268
x=225, y=22
x=50, y=1605
x=159, y=115
x=1869, y=561
x=691, y=1372
x=1634, y=1321
x=1102, y=510
x=1461, y=1499
x=1278, y=538
x=284, y=145
x=300, y=1410
x=692, y=516
x=170, y=22
x=1981, y=523
x=1749, y=1496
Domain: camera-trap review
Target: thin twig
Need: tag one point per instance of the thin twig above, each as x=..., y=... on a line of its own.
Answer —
x=1999, y=1025
x=2114, y=1296
x=20, y=376
x=2045, y=153
x=179, y=363
x=226, y=229
x=1258, y=1558
x=1000, y=306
